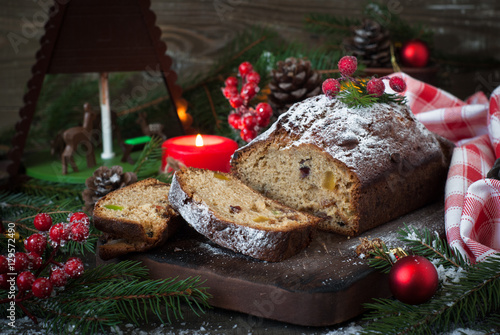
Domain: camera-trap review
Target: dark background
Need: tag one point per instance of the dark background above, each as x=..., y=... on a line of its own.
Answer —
x=197, y=31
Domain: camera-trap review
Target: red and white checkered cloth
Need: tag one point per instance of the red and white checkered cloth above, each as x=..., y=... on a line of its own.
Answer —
x=472, y=202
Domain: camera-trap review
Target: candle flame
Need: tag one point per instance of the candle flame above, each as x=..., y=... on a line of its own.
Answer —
x=181, y=111
x=185, y=118
x=199, y=141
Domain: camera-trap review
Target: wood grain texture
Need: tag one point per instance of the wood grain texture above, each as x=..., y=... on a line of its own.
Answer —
x=197, y=31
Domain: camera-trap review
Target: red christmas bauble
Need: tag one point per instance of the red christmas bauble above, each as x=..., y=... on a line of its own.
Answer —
x=413, y=280
x=415, y=53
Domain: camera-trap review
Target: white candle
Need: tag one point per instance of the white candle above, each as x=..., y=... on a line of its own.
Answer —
x=107, y=133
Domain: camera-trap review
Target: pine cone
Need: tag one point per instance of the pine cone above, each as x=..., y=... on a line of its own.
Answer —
x=371, y=44
x=294, y=80
x=103, y=181
x=494, y=173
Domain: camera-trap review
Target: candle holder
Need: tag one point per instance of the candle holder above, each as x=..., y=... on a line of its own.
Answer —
x=212, y=153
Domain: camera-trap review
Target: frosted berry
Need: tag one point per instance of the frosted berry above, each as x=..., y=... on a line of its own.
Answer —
x=234, y=120
x=262, y=121
x=58, y=277
x=79, y=217
x=21, y=261
x=4, y=264
x=74, y=267
x=59, y=233
x=397, y=84
x=25, y=280
x=249, y=90
x=375, y=87
x=4, y=284
x=264, y=110
x=79, y=231
x=348, y=65
x=42, y=222
x=249, y=121
x=248, y=134
x=35, y=243
x=231, y=81
x=35, y=260
x=331, y=87
x=236, y=101
x=244, y=69
x=42, y=288
x=253, y=77
x=230, y=91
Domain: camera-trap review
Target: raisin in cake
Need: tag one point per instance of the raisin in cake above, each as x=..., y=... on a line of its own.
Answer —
x=134, y=218
x=232, y=215
x=354, y=168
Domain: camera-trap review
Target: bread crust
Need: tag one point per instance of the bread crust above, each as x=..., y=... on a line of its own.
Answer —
x=110, y=247
x=271, y=245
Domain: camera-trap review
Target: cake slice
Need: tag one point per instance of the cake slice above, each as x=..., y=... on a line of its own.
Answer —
x=135, y=218
x=232, y=215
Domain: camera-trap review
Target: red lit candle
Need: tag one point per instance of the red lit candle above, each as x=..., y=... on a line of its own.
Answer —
x=201, y=151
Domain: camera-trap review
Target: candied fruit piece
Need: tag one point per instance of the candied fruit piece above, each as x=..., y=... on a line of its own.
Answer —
x=113, y=207
x=261, y=219
x=304, y=172
x=220, y=176
x=234, y=209
x=259, y=206
x=329, y=181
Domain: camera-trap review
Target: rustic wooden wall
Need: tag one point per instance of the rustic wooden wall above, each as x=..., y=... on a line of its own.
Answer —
x=196, y=31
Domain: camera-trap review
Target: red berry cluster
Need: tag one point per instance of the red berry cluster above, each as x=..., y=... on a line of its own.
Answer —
x=347, y=66
x=23, y=269
x=246, y=119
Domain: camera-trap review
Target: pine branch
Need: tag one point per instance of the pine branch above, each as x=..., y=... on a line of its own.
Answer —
x=392, y=98
x=111, y=294
x=53, y=189
x=355, y=95
x=380, y=259
x=329, y=24
x=467, y=294
x=165, y=177
x=212, y=107
x=431, y=246
x=13, y=202
x=354, y=98
x=149, y=160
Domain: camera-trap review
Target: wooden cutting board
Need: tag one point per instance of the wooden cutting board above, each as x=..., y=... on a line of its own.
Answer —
x=323, y=285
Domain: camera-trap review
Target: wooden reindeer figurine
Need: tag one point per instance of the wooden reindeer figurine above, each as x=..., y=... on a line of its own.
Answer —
x=150, y=129
x=76, y=136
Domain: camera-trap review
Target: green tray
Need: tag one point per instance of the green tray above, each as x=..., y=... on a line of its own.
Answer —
x=44, y=166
